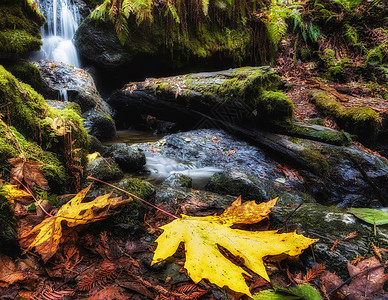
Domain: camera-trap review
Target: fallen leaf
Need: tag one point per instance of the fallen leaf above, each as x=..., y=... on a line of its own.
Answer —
x=46, y=236
x=8, y=272
x=371, y=216
x=11, y=192
x=27, y=171
x=203, y=236
x=371, y=283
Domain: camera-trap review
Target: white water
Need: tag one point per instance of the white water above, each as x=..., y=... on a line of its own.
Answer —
x=63, y=19
x=161, y=167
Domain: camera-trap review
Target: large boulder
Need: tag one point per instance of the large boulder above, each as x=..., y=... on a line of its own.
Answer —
x=68, y=83
x=146, y=52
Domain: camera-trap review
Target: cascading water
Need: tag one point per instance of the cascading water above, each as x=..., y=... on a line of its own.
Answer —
x=62, y=19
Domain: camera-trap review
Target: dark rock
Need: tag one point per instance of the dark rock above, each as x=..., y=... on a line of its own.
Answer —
x=329, y=224
x=76, y=85
x=235, y=183
x=178, y=180
x=105, y=169
x=127, y=157
x=8, y=228
x=99, y=124
x=95, y=145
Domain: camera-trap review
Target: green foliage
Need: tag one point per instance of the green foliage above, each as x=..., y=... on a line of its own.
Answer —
x=371, y=216
x=302, y=292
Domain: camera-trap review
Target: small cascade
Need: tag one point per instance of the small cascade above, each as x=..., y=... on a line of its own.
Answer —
x=63, y=19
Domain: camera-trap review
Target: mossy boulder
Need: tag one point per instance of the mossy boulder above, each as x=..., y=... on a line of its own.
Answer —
x=105, y=169
x=364, y=122
x=20, y=24
x=97, y=42
x=29, y=130
x=131, y=217
x=8, y=229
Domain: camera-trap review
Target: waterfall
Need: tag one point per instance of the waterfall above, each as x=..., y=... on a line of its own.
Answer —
x=63, y=19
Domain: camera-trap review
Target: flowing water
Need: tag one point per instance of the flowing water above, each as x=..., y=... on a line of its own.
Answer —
x=62, y=19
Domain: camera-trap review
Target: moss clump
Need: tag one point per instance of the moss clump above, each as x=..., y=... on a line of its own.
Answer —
x=27, y=73
x=8, y=229
x=20, y=26
x=361, y=121
x=274, y=105
x=336, y=68
x=316, y=160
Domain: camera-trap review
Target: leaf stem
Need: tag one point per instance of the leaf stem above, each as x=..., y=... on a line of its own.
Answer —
x=132, y=195
x=33, y=197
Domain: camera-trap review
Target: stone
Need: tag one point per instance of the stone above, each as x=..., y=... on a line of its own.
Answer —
x=178, y=180
x=129, y=159
x=105, y=169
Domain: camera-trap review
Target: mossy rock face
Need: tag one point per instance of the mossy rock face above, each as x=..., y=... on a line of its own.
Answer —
x=8, y=229
x=178, y=180
x=148, y=42
x=361, y=121
x=20, y=26
x=30, y=131
x=28, y=73
x=329, y=224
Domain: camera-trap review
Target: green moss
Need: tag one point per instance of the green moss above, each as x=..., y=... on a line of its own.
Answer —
x=361, y=121
x=27, y=73
x=321, y=134
x=316, y=160
x=18, y=41
x=274, y=105
x=19, y=27
x=7, y=150
x=52, y=168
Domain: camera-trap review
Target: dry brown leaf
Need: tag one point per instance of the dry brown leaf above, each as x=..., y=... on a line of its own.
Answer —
x=8, y=272
x=351, y=235
x=371, y=283
x=27, y=171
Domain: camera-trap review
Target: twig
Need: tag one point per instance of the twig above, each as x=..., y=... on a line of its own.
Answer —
x=355, y=275
x=290, y=215
x=132, y=195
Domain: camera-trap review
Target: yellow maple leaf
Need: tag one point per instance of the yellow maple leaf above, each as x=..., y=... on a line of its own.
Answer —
x=203, y=235
x=11, y=192
x=46, y=236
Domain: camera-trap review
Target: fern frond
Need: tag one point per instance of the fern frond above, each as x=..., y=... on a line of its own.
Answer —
x=99, y=14
x=171, y=8
x=205, y=7
x=127, y=8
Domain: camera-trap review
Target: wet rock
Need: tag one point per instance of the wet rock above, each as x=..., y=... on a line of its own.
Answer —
x=329, y=224
x=105, y=169
x=99, y=124
x=337, y=175
x=76, y=85
x=235, y=183
x=95, y=145
x=127, y=157
x=178, y=180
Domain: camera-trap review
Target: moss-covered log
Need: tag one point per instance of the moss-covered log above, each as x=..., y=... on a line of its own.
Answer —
x=361, y=121
x=238, y=96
